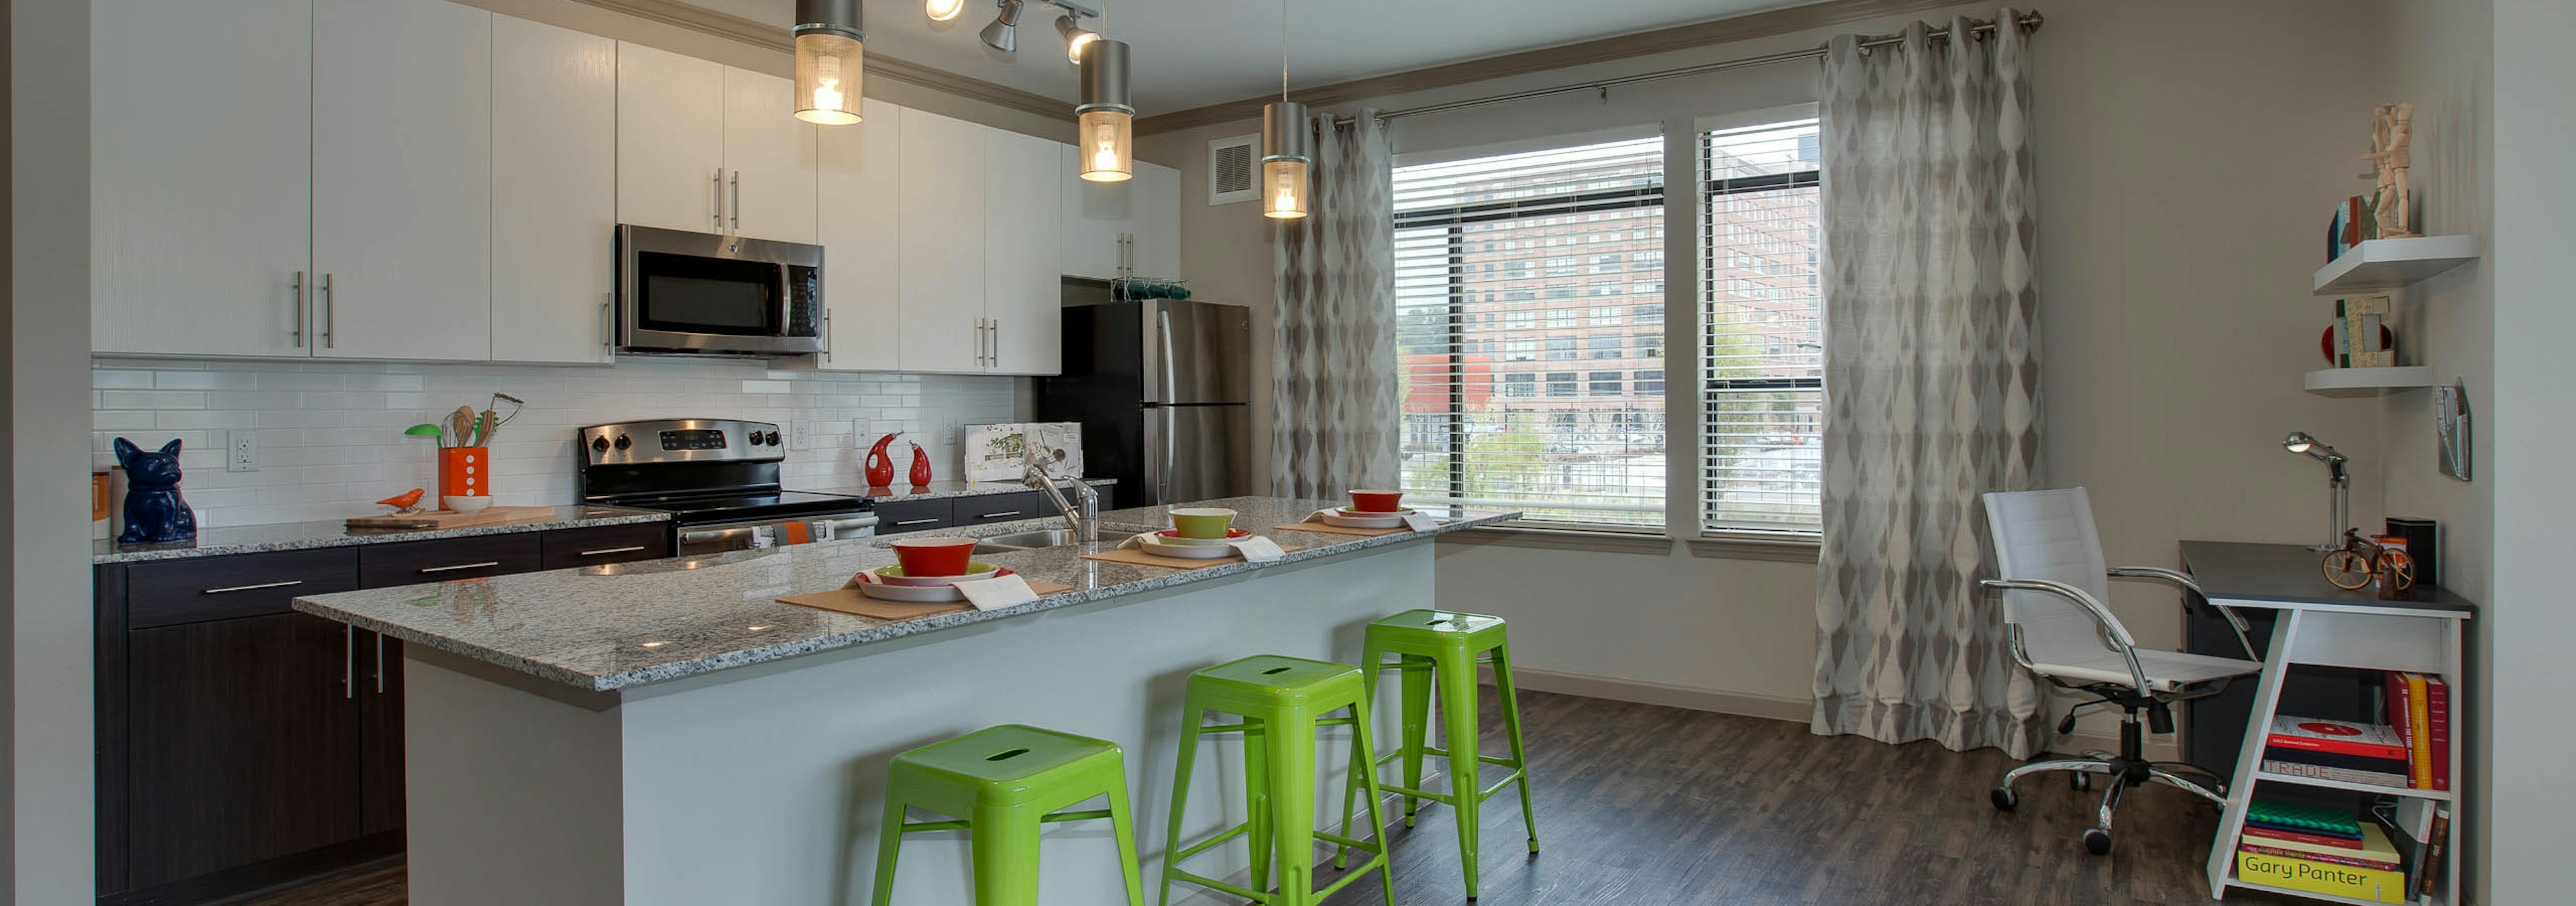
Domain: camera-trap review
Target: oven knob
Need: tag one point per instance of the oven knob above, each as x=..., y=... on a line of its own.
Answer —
x=599, y=445
x=751, y=437
x=623, y=443
x=773, y=438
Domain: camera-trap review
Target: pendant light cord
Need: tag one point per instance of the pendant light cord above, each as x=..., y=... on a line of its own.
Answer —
x=1283, y=51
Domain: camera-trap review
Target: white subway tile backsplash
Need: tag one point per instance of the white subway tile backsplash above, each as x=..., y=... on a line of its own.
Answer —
x=331, y=440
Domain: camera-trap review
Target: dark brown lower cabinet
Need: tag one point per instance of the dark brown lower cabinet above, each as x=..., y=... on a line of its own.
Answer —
x=243, y=744
x=243, y=725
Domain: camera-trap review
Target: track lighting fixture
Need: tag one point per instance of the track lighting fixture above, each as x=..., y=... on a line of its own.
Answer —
x=829, y=48
x=1076, y=37
x=943, y=10
x=1004, y=34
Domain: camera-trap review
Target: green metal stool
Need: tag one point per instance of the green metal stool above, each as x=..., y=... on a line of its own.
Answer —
x=1001, y=784
x=1281, y=700
x=1446, y=647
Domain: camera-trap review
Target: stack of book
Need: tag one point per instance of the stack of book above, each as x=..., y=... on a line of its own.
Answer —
x=2419, y=709
x=2337, y=750
x=2319, y=850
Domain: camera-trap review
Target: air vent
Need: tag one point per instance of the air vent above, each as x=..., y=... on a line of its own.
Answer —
x=1230, y=169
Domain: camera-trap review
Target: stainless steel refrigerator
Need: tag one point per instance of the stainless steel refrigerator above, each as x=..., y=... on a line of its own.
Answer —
x=1163, y=390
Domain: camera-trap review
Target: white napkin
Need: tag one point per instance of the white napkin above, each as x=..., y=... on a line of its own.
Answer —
x=1136, y=541
x=1420, y=521
x=997, y=592
x=1258, y=549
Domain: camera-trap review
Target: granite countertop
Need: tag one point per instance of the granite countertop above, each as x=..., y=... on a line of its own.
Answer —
x=609, y=627
x=938, y=490
x=290, y=536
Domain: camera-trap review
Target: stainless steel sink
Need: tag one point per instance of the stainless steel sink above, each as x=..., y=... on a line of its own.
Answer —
x=1045, y=538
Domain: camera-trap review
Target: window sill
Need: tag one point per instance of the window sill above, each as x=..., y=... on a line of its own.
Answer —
x=1781, y=547
x=1611, y=542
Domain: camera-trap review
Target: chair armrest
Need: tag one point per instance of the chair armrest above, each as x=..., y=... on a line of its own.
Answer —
x=2234, y=620
x=2101, y=614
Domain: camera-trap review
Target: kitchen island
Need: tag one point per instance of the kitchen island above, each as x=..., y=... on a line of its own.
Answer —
x=666, y=732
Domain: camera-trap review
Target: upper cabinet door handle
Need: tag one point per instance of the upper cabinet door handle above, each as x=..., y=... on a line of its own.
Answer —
x=715, y=208
x=298, y=329
x=330, y=337
x=737, y=201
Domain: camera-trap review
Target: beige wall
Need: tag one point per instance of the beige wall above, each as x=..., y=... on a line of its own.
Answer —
x=2187, y=153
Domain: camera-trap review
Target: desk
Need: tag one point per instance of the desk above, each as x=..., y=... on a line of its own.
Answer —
x=2321, y=625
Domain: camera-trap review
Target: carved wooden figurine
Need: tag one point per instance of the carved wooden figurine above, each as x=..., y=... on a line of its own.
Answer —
x=2392, y=128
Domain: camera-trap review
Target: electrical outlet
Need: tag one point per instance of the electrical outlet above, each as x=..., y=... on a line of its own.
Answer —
x=241, y=451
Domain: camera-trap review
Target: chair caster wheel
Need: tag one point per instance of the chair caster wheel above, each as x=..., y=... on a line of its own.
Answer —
x=2004, y=799
x=2080, y=781
x=2097, y=841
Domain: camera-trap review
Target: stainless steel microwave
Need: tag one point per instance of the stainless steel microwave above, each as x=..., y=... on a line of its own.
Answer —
x=706, y=294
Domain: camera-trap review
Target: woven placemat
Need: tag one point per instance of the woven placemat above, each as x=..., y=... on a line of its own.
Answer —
x=1313, y=525
x=1134, y=557
x=851, y=600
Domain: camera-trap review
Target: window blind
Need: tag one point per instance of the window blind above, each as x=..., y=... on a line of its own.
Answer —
x=1529, y=294
x=1761, y=339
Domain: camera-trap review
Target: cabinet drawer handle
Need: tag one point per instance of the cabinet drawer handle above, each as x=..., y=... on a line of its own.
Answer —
x=998, y=515
x=905, y=522
x=233, y=588
x=450, y=569
x=613, y=550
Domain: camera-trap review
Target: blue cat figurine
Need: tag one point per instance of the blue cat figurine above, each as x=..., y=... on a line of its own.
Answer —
x=154, y=512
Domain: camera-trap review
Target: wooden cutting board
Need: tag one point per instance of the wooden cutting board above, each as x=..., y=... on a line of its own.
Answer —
x=446, y=519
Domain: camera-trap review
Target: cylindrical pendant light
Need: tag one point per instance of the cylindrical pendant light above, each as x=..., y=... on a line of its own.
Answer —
x=829, y=46
x=942, y=10
x=1284, y=137
x=1283, y=160
x=1107, y=114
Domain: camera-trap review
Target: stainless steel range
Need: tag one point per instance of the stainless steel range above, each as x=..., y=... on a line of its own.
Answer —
x=718, y=478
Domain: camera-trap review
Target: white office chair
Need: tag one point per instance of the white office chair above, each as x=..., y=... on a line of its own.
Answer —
x=2054, y=584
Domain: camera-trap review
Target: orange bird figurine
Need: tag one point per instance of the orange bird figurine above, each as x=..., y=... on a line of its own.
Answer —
x=405, y=502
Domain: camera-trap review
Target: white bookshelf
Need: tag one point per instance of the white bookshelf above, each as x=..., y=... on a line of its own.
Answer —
x=2368, y=381
x=2392, y=263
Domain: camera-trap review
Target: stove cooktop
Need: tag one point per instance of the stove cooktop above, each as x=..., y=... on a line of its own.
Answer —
x=741, y=507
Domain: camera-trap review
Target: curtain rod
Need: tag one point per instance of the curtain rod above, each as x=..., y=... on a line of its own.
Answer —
x=2029, y=22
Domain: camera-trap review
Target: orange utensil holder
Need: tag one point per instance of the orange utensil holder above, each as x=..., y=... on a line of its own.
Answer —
x=465, y=472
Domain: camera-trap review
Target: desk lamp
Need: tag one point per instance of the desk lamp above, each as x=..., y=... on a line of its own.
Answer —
x=2341, y=482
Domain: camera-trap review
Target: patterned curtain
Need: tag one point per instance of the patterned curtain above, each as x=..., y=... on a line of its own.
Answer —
x=1333, y=379
x=1931, y=385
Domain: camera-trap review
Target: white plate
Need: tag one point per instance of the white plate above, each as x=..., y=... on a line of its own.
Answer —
x=1169, y=540
x=912, y=594
x=1157, y=548
x=926, y=581
x=1372, y=514
x=1391, y=520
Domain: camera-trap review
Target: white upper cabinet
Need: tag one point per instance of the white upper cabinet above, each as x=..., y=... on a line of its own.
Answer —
x=940, y=207
x=554, y=192
x=1023, y=270
x=769, y=159
x=402, y=178
x=1154, y=246
x=1132, y=223
x=858, y=191
x=670, y=140
x=200, y=184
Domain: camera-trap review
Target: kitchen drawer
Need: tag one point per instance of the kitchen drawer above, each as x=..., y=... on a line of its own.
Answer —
x=171, y=592
x=1001, y=508
x=913, y=516
x=567, y=548
x=413, y=562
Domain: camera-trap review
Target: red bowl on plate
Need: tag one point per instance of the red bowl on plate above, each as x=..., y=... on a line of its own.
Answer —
x=931, y=557
x=1375, y=501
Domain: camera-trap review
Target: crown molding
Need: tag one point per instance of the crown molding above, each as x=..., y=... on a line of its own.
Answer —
x=774, y=37
x=1682, y=37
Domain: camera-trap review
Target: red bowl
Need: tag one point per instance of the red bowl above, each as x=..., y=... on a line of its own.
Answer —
x=1375, y=501
x=928, y=557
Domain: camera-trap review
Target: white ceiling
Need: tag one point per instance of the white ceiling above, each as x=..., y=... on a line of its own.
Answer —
x=1191, y=53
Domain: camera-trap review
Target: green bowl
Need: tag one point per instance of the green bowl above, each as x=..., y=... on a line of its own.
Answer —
x=1202, y=522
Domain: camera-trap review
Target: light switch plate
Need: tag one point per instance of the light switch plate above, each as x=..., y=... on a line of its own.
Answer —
x=241, y=451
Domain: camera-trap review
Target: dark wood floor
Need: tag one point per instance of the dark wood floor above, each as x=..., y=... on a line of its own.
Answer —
x=1646, y=806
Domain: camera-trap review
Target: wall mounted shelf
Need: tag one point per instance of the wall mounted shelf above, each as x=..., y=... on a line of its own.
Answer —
x=2368, y=381
x=2392, y=263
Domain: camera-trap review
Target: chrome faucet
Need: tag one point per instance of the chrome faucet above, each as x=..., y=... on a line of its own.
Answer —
x=1085, y=517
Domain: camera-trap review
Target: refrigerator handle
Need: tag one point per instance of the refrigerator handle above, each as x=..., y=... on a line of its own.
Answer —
x=1171, y=389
